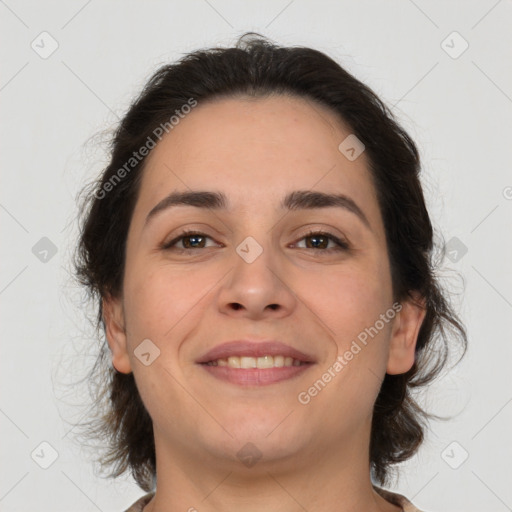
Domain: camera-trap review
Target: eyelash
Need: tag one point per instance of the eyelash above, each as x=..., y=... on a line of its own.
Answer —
x=341, y=245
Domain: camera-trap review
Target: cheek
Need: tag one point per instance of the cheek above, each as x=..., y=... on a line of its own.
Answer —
x=350, y=302
x=355, y=306
x=158, y=298
x=349, y=299
x=161, y=305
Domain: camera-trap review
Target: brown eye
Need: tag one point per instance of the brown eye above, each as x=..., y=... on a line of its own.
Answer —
x=188, y=240
x=193, y=241
x=321, y=240
x=317, y=242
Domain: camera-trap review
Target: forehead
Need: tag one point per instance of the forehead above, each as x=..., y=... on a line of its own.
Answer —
x=255, y=148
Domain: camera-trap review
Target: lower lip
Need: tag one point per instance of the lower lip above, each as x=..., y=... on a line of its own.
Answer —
x=255, y=376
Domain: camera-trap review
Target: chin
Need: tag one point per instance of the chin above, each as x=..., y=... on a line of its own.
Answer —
x=270, y=438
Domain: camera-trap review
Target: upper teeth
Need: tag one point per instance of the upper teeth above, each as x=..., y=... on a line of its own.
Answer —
x=256, y=362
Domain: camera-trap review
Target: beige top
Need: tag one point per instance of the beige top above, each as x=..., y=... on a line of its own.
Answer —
x=396, y=499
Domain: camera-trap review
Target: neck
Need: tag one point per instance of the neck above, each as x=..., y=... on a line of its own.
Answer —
x=324, y=480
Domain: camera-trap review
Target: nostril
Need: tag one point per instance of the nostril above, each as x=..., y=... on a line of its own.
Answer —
x=237, y=306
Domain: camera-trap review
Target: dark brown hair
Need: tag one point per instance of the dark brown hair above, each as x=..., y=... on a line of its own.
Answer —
x=256, y=67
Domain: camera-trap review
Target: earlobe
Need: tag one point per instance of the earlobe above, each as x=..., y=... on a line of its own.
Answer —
x=113, y=318
x=406, y=327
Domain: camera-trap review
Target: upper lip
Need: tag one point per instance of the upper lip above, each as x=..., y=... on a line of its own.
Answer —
x=253, y=349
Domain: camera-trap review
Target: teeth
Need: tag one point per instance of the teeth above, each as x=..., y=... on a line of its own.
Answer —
x=278, y=361
x=233, y=362
x=248, y=362
x=263, y=362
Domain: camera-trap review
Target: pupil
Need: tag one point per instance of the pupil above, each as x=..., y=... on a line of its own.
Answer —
x=315, y=240
x=191, y=240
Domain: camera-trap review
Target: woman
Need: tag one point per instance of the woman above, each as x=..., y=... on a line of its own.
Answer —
x=262, y=258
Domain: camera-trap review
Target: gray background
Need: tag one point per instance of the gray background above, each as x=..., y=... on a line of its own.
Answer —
x=456, y=104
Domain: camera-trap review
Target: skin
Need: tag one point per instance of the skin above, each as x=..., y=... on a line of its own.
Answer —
x=313, y=456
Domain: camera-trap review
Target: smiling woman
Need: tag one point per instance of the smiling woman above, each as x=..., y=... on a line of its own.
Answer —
x=274, y=244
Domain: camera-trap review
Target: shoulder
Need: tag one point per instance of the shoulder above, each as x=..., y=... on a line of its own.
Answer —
x=397, y=499
x=140, y=503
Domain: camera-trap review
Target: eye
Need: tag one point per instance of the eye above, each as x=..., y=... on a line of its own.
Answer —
x=314, y=240
x=323, y=240
x=188, y=240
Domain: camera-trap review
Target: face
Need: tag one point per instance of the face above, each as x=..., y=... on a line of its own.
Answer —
x=273, y=263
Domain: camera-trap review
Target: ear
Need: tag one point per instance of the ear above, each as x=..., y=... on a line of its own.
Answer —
x=113, y=317
x=406, y=327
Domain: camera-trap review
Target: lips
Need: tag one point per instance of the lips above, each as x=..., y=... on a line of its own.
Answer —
x=241, y=348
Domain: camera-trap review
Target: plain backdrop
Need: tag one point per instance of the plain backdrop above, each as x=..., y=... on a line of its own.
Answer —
x=69, y=71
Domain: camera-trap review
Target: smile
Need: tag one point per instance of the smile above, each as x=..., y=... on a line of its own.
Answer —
x=256, y=371
x=267, y=361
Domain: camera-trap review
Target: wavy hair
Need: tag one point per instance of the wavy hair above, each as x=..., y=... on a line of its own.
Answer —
x=256, y=67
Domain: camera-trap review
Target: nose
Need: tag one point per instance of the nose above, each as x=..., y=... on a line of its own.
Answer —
x=257, y=289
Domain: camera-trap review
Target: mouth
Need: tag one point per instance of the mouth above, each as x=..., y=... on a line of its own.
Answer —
x=262, y=363
x=255, y=363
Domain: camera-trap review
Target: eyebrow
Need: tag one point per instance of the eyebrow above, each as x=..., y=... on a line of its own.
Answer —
x=296, y=200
